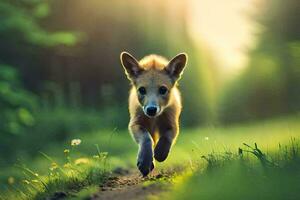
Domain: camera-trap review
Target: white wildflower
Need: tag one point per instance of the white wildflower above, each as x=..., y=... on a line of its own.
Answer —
x=75, y=142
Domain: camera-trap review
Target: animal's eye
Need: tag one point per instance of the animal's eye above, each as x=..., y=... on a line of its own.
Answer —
x=142, y=90
x=163, y=90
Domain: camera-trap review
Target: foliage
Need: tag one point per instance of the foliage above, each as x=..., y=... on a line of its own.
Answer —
x=16, y=104
x=16, y=113
x=20, y=24
x=16, y=109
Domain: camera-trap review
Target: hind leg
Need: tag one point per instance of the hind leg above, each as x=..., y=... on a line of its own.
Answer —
x=162, y=148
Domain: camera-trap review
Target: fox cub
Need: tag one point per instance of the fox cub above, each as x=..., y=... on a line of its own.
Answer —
x=154, y=105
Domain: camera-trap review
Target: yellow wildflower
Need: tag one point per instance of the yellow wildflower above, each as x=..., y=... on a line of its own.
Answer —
x=67, y=165
x=81, y=161
x=66, y=151
x=53, y=166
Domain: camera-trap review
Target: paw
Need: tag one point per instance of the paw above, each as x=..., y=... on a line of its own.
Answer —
x=145, y=168
x=145, y=160
x=162, y=149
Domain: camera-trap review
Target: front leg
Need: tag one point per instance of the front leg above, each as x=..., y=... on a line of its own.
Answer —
x=145, y=152
x=162, y=149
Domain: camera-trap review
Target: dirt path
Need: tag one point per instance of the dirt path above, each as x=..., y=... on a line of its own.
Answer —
x=130, y=185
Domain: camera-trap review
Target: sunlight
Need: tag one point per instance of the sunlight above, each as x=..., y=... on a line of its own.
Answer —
x=225, y=27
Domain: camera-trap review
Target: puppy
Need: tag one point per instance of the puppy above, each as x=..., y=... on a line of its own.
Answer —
x=154, y=105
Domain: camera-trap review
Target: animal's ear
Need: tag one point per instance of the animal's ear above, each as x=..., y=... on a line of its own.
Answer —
x=176, y=65
x=131, y=65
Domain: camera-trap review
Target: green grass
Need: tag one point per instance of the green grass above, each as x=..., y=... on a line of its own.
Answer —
x=249, y=174
x=64, y=179
x=255, y=161
x=211, y=155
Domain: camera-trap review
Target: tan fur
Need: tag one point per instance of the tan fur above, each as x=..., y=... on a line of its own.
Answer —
x=151, y=72
x=169, y=119
x=153, y=64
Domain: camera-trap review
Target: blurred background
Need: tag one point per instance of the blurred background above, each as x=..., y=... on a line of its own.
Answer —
x=60, y=72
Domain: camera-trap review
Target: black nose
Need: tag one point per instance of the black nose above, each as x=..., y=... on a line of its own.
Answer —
x=151, y=111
